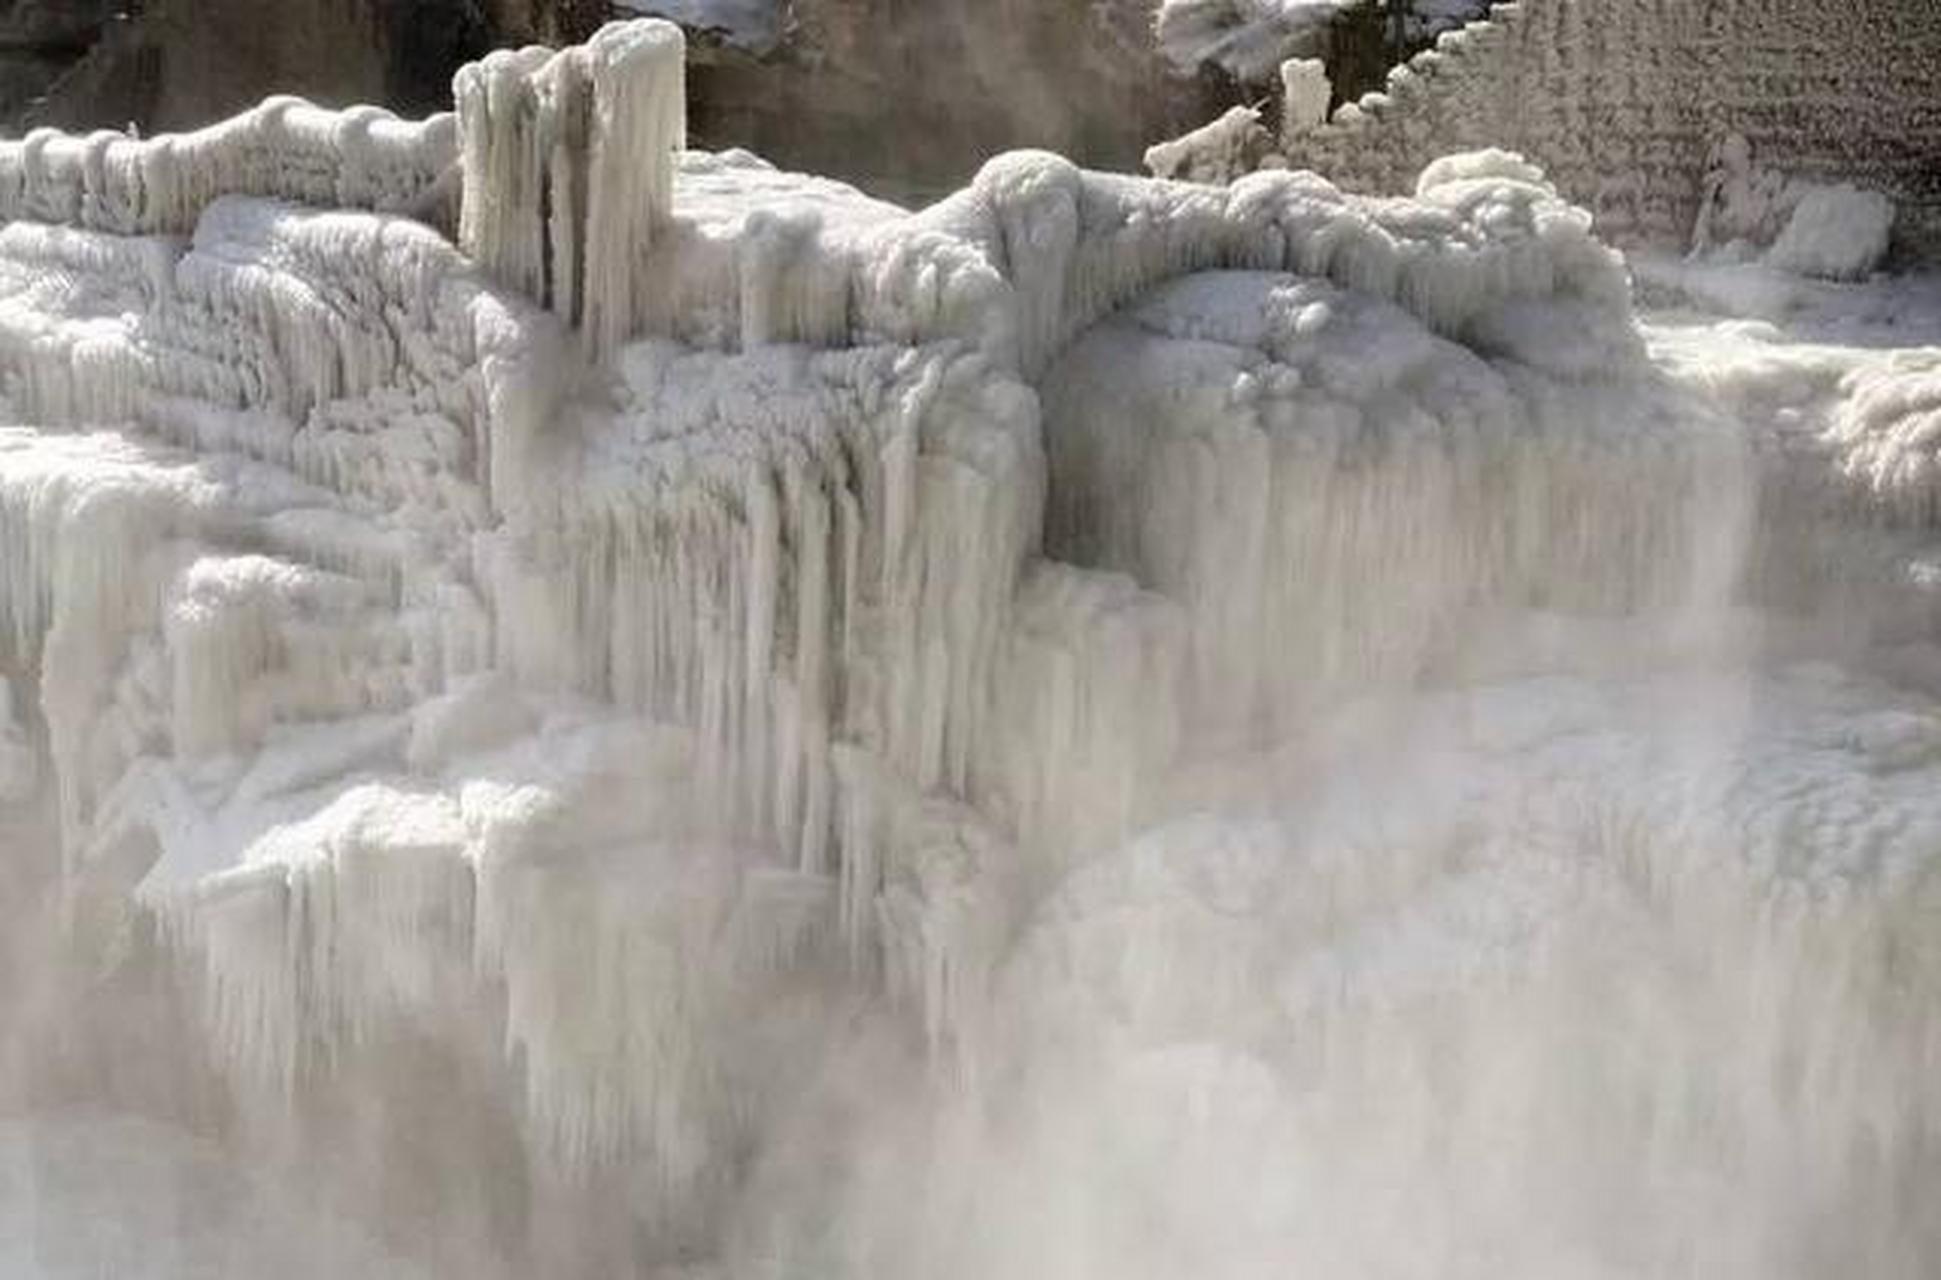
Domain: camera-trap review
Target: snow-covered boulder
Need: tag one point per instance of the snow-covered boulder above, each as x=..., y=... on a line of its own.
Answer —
x=1838, y=232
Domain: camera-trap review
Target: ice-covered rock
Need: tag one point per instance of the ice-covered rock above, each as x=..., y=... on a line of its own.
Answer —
x=1752, y=211
x=1837, y=233
x=1233, y=145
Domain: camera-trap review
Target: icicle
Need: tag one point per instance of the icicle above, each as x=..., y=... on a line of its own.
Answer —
x=569, y=170
x=639, y=123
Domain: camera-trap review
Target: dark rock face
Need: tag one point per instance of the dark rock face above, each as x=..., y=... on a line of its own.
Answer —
x=908, y=97
x=40, y=41
x=427, y=40
x=904, y=97
x=178, y=64
x=53, y=27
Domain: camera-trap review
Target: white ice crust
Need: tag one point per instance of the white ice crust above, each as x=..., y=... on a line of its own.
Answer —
x=1196, y=625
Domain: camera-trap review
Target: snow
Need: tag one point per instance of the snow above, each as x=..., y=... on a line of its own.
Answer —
x=1218, y=152
x=1837, y=233
x=709, y=717
x=1834, y=232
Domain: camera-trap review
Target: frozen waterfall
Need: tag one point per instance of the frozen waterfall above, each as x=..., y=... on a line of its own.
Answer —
x=575, y=706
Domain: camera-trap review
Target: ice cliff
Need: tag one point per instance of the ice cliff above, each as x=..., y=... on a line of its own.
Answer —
x=547, y=627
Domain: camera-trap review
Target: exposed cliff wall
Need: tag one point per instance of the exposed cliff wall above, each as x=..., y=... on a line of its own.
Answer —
x=1621, y=101
x=905, y=97
x=908, y=97
x=179, y=64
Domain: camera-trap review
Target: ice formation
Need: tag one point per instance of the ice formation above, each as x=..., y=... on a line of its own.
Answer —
x=1836, y=232
x=1305, y=95
x=1234, y=144
x=602, y=706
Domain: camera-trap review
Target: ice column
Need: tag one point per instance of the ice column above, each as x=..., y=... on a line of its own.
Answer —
x=1306, y=93
x=569, y=169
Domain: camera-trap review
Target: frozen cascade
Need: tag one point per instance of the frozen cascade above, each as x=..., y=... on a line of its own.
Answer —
x=608, y=708
x=1285, y=458
x=569, y=161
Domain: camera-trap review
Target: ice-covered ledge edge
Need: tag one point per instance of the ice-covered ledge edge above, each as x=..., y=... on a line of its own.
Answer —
x=564, y=176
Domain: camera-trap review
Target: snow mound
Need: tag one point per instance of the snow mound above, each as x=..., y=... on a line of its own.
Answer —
x=1837, y=233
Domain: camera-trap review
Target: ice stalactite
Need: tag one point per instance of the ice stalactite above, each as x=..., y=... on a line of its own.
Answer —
x=1036, y=250
x=569, y=162
x=1294, y=460
x=1252, y=970
x=835, y=566
x=331, y=923
x=1088, y=711
x=755, y=256
x=91, y=531
x=922, y=894
x=1885, y=432
x=254, y=641
x=550, y=844
x=293, y=337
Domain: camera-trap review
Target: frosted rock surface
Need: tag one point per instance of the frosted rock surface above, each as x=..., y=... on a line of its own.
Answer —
x=1622, y=103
